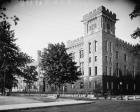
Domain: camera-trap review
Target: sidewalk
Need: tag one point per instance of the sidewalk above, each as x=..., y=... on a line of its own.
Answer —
x=39, y=105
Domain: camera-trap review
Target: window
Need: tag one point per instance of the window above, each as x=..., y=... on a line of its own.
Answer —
x=117, y=69
x=106, y=47
x=89, y=71
x=95, y=58
x=127, y=86
x=94, y=85
x=105, y=70
x=72, y=86
x=112, y=85
x=124, y=69
x=81, y=85
x=81, y=53
x=134, y=87
x=110, y=71
x=107, y=85
x=95, y=42
x=89, y=47
x=110, y=60
x=95, y=70
x=110, y=46
x=133, y=71
x=82, y=67
x=89, y=84
x=108, y=27
x=125, y=57
x=73, y=56
x=117, y=54
x=89, y=60
x=92, y=27
x=106, y=59
x=118, y=86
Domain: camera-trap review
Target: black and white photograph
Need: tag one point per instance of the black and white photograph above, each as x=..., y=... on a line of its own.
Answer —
x=69, y=56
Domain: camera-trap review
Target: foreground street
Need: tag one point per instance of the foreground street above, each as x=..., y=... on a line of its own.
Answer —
x=97, y=106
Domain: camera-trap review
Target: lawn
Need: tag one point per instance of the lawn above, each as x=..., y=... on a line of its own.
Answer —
x=9, y=100
x=98, y=106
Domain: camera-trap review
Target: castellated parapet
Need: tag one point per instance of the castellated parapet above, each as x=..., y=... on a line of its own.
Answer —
x=76, y=42
x=123, y=43
x=99, y=11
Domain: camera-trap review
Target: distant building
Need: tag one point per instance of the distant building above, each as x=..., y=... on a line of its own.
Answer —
x=106, y=62
x=41, y=85
x=21, y=85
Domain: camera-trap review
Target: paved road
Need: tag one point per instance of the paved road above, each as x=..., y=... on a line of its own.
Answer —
x=98, y=106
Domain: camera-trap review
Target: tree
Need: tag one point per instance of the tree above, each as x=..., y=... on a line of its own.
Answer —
x=58, y=66
x=136, y=34
x=12, y=60
x=135, y=13
x=30, y=76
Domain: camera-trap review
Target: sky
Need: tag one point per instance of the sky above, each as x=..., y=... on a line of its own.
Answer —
x=52, y=21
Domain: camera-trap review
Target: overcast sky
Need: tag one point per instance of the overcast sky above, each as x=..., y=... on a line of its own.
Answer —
x=51, y=21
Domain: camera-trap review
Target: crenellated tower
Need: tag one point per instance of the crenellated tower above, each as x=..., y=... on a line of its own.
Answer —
x=99, y=19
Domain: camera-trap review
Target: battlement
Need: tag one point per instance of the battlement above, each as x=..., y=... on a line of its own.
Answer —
x=75, y=42
x=99, y=11
x=124, y=43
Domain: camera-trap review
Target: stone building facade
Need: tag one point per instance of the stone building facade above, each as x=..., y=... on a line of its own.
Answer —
x=106, y=62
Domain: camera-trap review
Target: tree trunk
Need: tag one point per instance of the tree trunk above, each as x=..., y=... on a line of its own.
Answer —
x=58, y=91
x=29, y=88
x=4, y=77
x=2, y=91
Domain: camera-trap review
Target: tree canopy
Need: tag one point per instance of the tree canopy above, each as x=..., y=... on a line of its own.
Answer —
x=30, y=75
x=58, y=66
x=135, y=13
x=136, y=34
x=12, y=60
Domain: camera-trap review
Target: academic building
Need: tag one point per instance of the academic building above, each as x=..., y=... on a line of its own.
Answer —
x=106, y=62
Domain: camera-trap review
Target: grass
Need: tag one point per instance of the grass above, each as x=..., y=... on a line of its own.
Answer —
x=98, y=106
